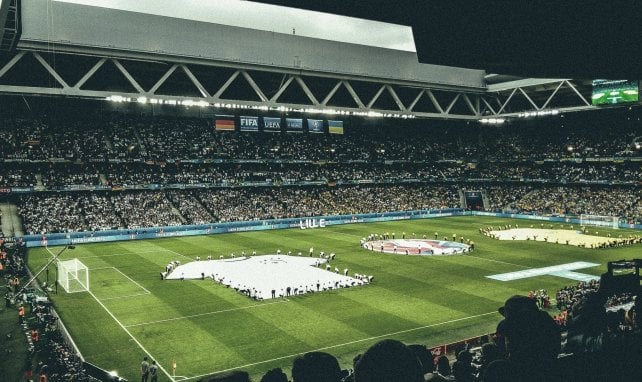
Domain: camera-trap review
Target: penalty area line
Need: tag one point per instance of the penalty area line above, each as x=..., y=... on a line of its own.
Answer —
x=207, y=313
x=132, y=280
x=345, y=344
x=126, y=331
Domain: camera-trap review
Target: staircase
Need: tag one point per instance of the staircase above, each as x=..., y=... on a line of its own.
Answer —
x=485, y=201
x=462, y=199
x=10, y=221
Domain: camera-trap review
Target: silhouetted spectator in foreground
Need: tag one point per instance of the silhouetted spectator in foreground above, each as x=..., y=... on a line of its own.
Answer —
x=443, y=368
x=462, y=368
x=512, y=305
x=427, y=362
x=316, y=367
x=233, y=376
x=533, y=344
x=388, y=360
x=489, y=353
x=275, y=375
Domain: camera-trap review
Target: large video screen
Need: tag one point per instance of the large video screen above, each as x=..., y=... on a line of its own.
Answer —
x=613, y=92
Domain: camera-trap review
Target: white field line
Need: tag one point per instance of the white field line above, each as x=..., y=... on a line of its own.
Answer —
x=176, y=253
x=135, y=253
x=207, y=313
x=119, y=254
x=131, y=335
x=100, y=269
x=126, y=331
x=132, y=280
x=497, y=261
x=345, y=344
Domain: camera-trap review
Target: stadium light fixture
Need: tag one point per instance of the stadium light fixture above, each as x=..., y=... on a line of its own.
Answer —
x=492, y=121
x=540, y=113
x=203, y=103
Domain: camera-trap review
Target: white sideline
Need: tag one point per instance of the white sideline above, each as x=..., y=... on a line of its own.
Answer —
x=125, y=329
x=343, y=344
x=207, y=313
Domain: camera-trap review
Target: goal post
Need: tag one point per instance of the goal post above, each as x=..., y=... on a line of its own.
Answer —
x=600, y=221
x=73, y=276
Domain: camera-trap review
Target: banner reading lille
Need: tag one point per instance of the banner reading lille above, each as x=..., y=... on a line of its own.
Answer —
x=294, y=125
x=315, y=125
x=225, y=123
x=335, y=127
x=249, y=123
x=271, y=124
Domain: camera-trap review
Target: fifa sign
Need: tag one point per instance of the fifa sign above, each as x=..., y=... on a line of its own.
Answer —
x=311, y=223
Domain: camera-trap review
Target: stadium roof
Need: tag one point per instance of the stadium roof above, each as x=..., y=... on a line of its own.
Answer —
x=169, y=52
x=561, y=39
x=271, y=18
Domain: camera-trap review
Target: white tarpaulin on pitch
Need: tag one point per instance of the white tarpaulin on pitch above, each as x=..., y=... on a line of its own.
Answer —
x=267, y=273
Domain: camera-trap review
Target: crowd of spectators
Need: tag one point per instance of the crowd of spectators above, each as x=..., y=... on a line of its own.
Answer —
x=115, y=136
x=612, y=201
x=91, y=211
x=519, y=170
x=60, y=212
x=57, y=175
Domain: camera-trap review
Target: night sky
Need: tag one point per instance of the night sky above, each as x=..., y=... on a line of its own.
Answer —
x=565, y=38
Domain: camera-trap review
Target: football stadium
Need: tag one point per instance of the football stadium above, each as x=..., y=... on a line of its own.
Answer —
x=228, y=190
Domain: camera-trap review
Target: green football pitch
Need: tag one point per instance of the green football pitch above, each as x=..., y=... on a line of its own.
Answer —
x=206, y=328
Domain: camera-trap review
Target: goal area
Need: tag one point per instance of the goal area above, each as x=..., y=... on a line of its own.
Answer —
x=73, y=276
x=600, y=221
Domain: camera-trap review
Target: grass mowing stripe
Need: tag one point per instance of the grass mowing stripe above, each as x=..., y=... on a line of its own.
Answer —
x=117, y=254
x=345, y=344
x=497, y=261
x=124, y=328
x=176, y=253
x=420, y=289
x=127, y=296
x=206, y=314
x=130, y=335
x=132, y=280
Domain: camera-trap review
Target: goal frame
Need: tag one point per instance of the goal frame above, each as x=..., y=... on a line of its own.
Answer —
x=73, y=276
x=600, y=221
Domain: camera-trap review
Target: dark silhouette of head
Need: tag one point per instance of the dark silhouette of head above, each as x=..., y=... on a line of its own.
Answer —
x=424, y=356
x=233, y=376
x=515, y=304
x=316, y=367
x=443, y=365
x=275, y=375
x=388, y=360
x=532, y=336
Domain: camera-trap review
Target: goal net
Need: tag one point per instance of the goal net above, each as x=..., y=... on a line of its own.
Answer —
x=73, y=276
x=599, y=221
